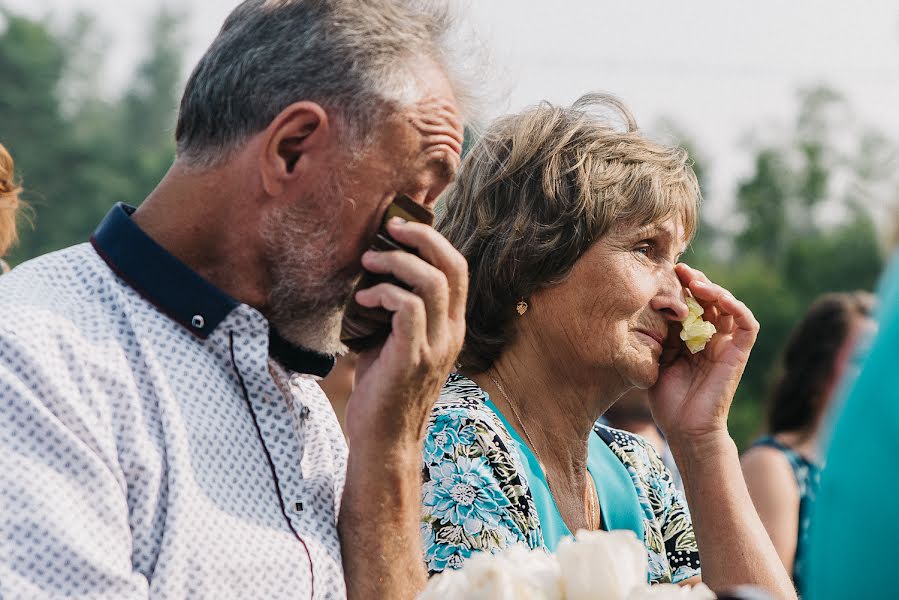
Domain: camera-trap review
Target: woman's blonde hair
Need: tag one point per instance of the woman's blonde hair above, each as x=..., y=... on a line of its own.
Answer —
x=9, y=202
x=538, y=189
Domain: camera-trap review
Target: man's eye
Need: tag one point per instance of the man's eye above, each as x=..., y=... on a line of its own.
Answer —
x=644, y=249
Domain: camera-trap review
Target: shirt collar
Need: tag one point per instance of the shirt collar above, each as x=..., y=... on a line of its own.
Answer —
x=178, y=291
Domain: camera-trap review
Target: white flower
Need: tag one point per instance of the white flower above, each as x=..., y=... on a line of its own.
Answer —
x=669, y=591
x=602, y=565
x=449, y=585
x=695, y=332
x=516, y=573
x=596, y=565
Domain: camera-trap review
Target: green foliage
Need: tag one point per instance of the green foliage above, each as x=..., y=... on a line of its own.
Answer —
x=77, y=152
x=787, y=252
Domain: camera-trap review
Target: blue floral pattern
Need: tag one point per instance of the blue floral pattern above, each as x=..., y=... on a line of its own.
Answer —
x=475, y=496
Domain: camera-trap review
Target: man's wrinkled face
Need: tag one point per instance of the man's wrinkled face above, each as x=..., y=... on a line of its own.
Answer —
x=316, y=243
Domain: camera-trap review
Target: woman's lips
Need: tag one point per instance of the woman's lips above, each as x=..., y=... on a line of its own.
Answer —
x=656, y=337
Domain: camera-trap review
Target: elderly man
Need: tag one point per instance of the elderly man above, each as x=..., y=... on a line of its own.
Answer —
x=163, y=432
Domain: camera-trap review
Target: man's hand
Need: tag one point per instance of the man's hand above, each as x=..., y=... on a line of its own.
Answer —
x=397, y=384
x=396, y=388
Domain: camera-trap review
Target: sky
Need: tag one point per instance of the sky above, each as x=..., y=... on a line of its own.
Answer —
x=725, y=72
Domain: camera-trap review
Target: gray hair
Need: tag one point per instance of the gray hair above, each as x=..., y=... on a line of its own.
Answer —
x=537, y=190
x=354, y=57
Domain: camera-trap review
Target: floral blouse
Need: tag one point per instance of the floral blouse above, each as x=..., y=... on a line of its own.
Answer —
x=476, y=498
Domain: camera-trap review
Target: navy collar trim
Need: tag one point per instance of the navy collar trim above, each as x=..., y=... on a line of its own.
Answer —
x=299, y=359
x=178, y=291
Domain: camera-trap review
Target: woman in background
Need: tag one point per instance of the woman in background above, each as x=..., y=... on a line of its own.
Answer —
x=9, y=206
x=783, y=468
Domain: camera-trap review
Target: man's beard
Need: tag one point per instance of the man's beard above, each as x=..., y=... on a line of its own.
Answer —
x=309, y=292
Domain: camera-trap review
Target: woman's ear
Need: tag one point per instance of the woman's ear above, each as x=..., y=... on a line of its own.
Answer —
x=300, y=133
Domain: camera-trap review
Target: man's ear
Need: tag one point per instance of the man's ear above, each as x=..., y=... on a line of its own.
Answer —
x=298, y=132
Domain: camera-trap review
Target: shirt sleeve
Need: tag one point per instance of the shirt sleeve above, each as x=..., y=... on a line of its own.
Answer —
x=670, y=538
x=64, y=527
x=473, y=496
x=673, y=517
x=851, y=540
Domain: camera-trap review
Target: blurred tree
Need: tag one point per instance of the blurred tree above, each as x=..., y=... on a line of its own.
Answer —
x=762, y=201
x=150, y=106
x=807, y=229
x=77, y=152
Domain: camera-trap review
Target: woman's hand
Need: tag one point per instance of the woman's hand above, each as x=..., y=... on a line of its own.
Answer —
x=693, y=394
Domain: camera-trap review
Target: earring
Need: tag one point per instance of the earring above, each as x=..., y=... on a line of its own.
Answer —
x=521, y=307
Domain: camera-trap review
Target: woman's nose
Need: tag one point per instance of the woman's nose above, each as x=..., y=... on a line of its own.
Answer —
x=670, y=300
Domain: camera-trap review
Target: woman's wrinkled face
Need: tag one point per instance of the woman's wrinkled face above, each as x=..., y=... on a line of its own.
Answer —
x=612, y=314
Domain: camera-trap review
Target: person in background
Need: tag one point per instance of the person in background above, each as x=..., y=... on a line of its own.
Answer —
x=164, y=434
x=573, y=221
x=783, y=468
x=633, y=413
x=852, y=538
x=9, y=205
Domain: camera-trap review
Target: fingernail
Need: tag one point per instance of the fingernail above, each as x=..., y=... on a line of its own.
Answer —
x=700, y=284
x=398, y=220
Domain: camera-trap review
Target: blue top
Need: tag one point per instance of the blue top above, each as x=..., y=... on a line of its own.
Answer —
x=484, y=490
x=808, y=478
x=618, y=502
x=852, y=550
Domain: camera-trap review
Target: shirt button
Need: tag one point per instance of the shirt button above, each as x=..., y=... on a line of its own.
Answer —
x=198, y=321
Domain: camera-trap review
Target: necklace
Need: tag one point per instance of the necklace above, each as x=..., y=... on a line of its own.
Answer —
x=590, y=491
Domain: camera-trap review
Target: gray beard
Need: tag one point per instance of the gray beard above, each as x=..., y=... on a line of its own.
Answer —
x=309, y=294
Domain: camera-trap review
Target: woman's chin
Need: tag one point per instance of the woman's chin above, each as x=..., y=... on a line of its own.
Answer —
x=645, y=375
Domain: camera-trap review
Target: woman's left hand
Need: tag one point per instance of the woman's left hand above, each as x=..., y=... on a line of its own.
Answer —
x=692, y=397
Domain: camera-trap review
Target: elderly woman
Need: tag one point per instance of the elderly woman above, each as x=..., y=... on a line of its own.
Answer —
x=572, y=228
x=9, y=205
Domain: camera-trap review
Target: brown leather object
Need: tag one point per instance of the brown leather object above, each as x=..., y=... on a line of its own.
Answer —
x=367, y=328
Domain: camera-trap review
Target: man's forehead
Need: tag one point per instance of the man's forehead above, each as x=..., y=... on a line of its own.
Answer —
x=436, y=115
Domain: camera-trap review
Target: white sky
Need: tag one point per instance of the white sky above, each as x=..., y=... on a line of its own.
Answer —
x=720, y=69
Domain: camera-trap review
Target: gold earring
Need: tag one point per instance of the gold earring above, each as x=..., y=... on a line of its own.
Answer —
x=521, y=307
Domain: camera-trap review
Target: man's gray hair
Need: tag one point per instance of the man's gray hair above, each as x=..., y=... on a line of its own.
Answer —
x=354, y=57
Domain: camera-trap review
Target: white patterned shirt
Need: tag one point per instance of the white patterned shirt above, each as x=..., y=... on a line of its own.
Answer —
x=156, y=440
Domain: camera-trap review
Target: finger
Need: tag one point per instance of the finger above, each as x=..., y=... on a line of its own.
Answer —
x=707, y=293
x=409, y=318
x=742, y=324
x=426, y=280
x=688, y=274
x=437, y=250
x=742, y=316
x=724, y=323
x=708, y=296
